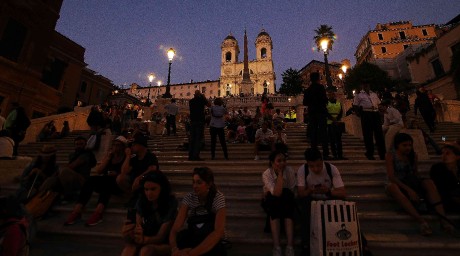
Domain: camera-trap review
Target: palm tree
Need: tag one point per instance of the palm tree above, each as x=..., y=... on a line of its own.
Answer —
x=325, y=32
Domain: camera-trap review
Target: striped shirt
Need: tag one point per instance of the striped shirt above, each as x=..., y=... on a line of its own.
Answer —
x=192, y=201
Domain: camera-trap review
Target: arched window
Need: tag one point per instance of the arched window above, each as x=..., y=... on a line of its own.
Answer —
x=228, y=57
x=263, y=53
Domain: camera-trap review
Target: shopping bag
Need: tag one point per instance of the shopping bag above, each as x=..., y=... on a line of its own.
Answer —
x=334, y=229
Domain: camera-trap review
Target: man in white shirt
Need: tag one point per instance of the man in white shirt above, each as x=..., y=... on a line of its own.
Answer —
x=264, y=140
x=367, y=102
x=316, y=180
x=392, y=123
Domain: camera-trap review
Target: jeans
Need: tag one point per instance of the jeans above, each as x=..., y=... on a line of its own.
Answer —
x=196, y=138
x=214, y=131
x=171, y=123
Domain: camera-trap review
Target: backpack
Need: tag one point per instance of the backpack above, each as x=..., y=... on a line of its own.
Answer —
x=328, y=170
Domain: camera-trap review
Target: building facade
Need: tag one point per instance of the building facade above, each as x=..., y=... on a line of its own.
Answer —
x=335, y=68
x=383, y=44
x=41, y=69
x=430, y=65
x=261, y=70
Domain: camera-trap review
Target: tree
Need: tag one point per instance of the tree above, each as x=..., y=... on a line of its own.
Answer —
x=292, y=82
x=324, y=32
x=377, y=78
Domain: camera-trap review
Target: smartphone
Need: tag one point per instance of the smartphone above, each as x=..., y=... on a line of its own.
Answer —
x=443, y=138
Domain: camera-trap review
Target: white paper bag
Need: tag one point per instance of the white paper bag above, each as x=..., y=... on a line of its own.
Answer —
x=334, y=229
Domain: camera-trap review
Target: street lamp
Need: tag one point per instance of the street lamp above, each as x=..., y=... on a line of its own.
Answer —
x=151, y=77
x=344, y=69
x=171, y=54
x=325, y=47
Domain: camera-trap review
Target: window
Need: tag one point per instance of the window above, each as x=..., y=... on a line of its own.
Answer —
x=437, y=68
x=83, y=87
x=380, y=36
x=53, y=72
x=188, y=93
x=228, y=57
x=12, y=40
x=384, y=49
x=424, y=32
x=405, y=46
x=263, y=53
x=203, y=89
x=402, y=35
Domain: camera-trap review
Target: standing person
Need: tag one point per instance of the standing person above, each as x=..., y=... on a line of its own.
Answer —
x=392, y=123
x=316, y=180
x=279, y=184
x=423, y=103
x=407, y=188
x=217, y=125
x=171, y=109
x=104, y=183
x=197, y=119
x=334, y=125
x=16, y=124
x=316, y=100
x=205, y=212
x=446, y=176
x=367, y=102
x=155, y=213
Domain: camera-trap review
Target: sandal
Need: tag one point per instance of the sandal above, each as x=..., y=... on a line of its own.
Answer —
x=425, y=229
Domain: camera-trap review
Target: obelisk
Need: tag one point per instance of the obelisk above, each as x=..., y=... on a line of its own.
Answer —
x=246, y=83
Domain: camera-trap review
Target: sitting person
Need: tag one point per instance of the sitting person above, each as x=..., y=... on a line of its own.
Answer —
x=6, y=145
x=241, y=136
x=48, y=131
x=279, y=184
x=104, y=183
x=281, y=140
x=446, y=176
x=155, y=213
x=278, y=118
x=72, y=176
x=205, y=211
x=65, y=130
x=407, y=188
x=264, y=140
x=316, y=180
x=35, y=174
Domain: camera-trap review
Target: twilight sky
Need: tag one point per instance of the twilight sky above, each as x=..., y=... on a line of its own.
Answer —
x=125, y=40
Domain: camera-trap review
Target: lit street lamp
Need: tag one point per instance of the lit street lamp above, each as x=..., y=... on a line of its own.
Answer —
x=151, y=77
x=171, y=54
x=325, y=48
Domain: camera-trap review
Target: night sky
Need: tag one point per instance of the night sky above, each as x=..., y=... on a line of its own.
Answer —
x=125, y=40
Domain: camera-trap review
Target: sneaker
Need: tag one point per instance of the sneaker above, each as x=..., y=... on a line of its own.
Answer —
x=277, y=251
x=95, y=219
x=289, y=251
x=257, y=158
x=73, y=217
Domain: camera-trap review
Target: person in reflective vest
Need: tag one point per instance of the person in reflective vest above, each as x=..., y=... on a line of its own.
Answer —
x=335, y=127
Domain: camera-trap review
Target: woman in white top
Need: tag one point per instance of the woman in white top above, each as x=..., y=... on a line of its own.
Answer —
x=279, y=184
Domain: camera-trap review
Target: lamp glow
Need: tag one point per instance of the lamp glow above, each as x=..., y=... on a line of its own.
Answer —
x=324, y=45
x=171, y=54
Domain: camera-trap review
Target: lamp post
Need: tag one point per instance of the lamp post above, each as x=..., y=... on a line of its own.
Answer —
x=158, y=89
x=171, y=54
x=325, y=48
x=344, y=70
x=151, y=77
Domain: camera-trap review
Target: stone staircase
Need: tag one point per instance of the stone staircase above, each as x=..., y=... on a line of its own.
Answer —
x=389, y=230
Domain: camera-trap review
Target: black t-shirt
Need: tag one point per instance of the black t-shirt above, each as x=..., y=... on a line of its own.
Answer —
x=140, y=166
x=196, y=106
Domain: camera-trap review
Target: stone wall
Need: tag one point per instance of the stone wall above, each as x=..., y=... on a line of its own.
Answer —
x=76, y=119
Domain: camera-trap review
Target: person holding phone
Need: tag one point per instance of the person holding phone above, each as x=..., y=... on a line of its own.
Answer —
x=104, y=183
x=316, y=180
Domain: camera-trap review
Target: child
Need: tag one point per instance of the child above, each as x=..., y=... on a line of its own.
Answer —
x=241, y=133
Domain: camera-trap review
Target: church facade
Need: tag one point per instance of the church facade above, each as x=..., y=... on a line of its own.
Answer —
x=260, y=70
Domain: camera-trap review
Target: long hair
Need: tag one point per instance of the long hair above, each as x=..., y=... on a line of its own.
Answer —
x=165, y=192
x=404, y=137
x=206, y=174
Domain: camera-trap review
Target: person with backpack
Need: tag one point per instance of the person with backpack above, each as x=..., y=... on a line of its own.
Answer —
x=316, y=180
